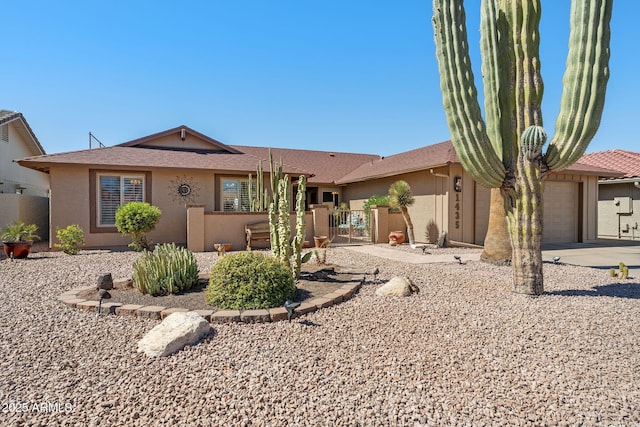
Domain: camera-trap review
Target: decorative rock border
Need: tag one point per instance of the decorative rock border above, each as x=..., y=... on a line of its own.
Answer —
x=71, y=299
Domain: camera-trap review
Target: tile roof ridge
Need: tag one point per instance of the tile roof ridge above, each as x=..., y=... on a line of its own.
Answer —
x=301, y=149
x=306, y=172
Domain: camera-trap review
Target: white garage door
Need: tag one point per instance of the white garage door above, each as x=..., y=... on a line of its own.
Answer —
x=561, y=211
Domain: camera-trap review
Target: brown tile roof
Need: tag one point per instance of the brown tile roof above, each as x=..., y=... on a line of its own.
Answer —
x=419, y=159
x=139, y=157
x=627, y=162
x=432, y=156
x=326, y=167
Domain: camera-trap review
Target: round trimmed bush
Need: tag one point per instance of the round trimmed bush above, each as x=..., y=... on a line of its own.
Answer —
x=249, y=280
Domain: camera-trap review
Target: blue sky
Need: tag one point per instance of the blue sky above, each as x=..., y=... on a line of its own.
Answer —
x=355, y=76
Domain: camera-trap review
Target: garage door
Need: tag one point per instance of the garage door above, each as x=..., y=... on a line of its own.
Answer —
x=561, y=211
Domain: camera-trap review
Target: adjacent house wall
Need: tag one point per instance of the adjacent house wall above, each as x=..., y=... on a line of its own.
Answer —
x=28, y=209
x=613, y=222
x=35, y=183
x=32, y=206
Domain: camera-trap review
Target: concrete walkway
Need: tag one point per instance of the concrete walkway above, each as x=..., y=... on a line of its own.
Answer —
x=604, y=254
x=416, y=257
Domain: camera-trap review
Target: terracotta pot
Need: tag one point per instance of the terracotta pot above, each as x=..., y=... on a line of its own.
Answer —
x=227, y=246
x=18, y=249
x=306, y=244
x=320, y=241
x=398, y=236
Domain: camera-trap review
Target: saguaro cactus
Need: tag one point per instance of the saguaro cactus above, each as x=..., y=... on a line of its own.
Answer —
x=506, y=152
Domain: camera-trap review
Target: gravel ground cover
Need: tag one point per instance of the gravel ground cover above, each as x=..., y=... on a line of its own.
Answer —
x=464, y=351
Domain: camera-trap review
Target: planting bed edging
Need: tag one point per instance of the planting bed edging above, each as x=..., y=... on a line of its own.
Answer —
x=70, y=299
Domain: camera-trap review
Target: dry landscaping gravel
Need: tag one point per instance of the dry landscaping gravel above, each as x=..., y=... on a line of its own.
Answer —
x=464, y=351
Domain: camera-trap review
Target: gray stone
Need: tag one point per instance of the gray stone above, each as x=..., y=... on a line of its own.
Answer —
x=105, y=281
x=398, y=286
x=176, y=331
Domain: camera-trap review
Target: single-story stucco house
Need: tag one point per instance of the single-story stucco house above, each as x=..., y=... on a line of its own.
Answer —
x=181, y=169
x=24, y=193
x=619, y=198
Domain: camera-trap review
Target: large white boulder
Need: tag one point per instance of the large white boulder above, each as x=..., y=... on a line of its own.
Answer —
x=176, y=331
x=397, y=287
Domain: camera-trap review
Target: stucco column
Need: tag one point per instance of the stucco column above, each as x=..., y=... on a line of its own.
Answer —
x=320, y=220
x=380, y=230
x=195, y=228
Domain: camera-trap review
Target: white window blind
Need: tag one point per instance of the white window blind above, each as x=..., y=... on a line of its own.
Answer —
x=115, y=191
x=235, y=195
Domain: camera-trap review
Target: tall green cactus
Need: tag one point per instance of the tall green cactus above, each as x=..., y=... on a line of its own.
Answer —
x=280, y=225
x=506, y=152
x=259, y=195
x=298, y=240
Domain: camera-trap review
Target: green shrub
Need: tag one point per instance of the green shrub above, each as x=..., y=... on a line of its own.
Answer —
x=18, y=231
x=249, y=280
x=169, y=269
x=71, y=238
x=136, y=219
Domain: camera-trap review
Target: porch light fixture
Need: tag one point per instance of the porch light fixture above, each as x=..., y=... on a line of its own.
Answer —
x=457, y=184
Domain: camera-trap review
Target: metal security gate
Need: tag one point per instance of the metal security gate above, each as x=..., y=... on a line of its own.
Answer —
x=347, y=226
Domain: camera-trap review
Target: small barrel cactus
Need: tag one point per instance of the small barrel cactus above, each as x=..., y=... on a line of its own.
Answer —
x=532, y=141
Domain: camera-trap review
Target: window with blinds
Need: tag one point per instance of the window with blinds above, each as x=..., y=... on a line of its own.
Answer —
x=116, y=190
x=235, y=195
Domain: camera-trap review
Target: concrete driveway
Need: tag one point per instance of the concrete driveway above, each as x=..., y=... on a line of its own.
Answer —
x=604, y=253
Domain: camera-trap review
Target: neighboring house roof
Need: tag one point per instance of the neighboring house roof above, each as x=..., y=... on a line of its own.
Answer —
x=326, y=167
x=627, y=162
x=7, y=116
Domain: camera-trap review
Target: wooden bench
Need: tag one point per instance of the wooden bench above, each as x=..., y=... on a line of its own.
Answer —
x=257, y=231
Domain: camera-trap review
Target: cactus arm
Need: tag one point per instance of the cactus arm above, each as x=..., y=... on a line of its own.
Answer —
x=524, y=20
x=468, y=131
x=584, y=81
x=495, y=71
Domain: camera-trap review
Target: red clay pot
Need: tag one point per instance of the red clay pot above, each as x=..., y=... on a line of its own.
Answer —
x=398, y=236
x=18, y=249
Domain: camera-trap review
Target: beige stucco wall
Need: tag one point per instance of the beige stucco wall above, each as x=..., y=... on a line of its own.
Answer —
x=437, y=206
x=36, y=183
x=464, y=215
x=70, y=203
x=228, y=227
x=611, y=224
x=25, y=208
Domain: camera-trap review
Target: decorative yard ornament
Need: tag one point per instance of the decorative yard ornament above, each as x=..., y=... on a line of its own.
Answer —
x=505, y=150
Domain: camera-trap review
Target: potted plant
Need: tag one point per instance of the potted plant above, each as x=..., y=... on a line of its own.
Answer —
x=17, y=239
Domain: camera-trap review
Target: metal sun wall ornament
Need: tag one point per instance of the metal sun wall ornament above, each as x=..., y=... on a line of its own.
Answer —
x=184, y=190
